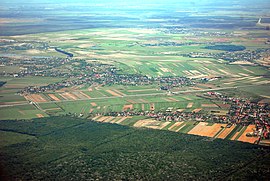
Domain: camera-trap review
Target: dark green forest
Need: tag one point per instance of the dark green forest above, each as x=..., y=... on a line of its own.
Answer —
x=229, y=48
x=66, y=148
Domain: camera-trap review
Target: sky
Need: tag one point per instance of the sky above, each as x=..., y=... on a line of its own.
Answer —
x=137, y=2
x=126, y=1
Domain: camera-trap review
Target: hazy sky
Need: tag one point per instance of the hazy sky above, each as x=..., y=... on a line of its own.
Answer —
x=130, y=1
x=140, y=2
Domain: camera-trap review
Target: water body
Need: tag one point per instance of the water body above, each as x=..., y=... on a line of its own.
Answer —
x=64, y=52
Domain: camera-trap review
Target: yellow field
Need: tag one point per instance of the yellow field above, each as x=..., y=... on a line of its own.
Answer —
x=122, y=119
x=113, y=93
x=190, y=105
x=203, y=130
x=151, y=123
x=126, y=107
x=54, y=97
x=93, y=104
x=177, y=124
x=226, y=132
x=236, y=134
x=197, y=110
x=36, y=98
x=103, y=118
x=40, y=116
x=244, y=138
x=216, y=130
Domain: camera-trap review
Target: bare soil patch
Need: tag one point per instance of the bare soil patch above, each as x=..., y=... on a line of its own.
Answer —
x=54, y=97
x=209, y=105
x=93, y=104
x=177, y=124
x=203, y=130
x=197, y=110
x=226, y=132
x=190, y=105
x=141, y=90
x=127, y=107
x=142, y=107
x=245, y=138
x=103, y=118
x=39, y=115
x=122, y=119
x=37, y=98
x=113, y=93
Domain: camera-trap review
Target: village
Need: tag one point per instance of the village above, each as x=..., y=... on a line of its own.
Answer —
x=95, y=73
x=231, y=56
x=79, y=72
x=241, y=112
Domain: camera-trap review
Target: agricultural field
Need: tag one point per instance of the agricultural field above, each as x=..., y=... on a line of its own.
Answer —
x=149, y=52
x=154, y=52
x=134, y=90
x=119, y=103
x=211, y=130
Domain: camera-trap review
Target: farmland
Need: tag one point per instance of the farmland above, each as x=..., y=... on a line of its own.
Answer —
x=137, y=90
x=216, y=130
x=137, y=70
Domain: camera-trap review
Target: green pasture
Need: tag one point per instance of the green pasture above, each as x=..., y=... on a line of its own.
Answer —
x=10, y=138
x=30, y=81
x=20, y=112
x=9, y=69
x=104, y=105
x=10, y=96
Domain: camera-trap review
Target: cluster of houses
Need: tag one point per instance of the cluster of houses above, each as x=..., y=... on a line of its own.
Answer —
x=242, y=111
x=96, y=73
x=177, y=115
x=109, y=78
x=78, y=72
x=11, y=45
x=248, y=112
x=246, y=55
x=34, y=66
x=198, y=33
x=245, y=112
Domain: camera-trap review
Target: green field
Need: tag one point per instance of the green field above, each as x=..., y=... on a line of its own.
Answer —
x=134, y=90
x=151, y=52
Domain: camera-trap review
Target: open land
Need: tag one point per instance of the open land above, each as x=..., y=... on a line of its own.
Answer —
x=188, y=74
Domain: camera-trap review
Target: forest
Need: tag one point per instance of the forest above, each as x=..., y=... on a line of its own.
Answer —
x=229, y=48
x=67, y=148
